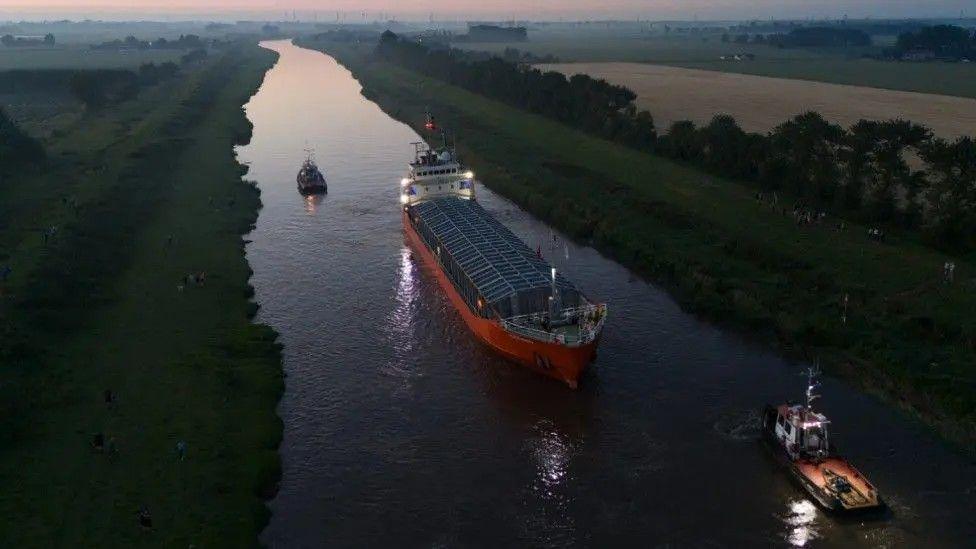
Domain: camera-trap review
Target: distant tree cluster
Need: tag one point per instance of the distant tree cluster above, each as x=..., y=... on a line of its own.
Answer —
x=861, y=172
x=194, y=56
x=941, y=41
x=494, y=33
x=98, y=88
x=819, y=37
x=95, y=88
x=593, y=105
x=515, y=55
x=184, y=42
x=12, y=41
x=151, y=74
x=17, y=149
x=346, y=35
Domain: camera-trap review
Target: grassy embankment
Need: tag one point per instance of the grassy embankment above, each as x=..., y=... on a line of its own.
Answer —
x=907, y=337
x=836, y=66
x=141, y=194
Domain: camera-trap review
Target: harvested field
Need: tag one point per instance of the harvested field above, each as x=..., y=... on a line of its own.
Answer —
x=760, y=103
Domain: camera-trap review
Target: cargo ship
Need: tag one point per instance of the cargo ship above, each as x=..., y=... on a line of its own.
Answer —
x=798, y=436
x=507, y=294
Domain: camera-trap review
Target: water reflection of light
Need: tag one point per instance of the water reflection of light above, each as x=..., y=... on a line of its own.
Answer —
x=549, y=517
x=401, y=319
x=406, y=280
x=312, y=203
x=800, y=523
x=551, y=452
x=552, y=458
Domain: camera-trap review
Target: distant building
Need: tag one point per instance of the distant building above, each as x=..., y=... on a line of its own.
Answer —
x=493, y=33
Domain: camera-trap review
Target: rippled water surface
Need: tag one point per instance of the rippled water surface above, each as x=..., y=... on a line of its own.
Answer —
x=401, y=430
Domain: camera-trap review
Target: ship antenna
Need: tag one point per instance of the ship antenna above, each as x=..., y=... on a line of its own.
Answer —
x=812, y=385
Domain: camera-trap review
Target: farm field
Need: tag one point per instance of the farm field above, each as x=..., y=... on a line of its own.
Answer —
x=760, y=103
x=837, y=66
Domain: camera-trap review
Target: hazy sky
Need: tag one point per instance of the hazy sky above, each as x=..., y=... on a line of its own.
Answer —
x=502, y=9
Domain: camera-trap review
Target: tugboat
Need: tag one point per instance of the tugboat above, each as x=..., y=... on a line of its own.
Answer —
x=310, y=179
x=798, y=436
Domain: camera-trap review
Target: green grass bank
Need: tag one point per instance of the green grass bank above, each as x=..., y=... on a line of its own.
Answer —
x=907, y=336
x=99, y=244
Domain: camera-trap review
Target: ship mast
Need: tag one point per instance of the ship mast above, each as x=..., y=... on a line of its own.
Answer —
x=812, y=385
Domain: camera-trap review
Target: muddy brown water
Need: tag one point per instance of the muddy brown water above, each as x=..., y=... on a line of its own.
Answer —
x=401, y=430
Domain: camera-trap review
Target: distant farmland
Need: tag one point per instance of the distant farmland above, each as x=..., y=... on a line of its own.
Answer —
x=760, y=103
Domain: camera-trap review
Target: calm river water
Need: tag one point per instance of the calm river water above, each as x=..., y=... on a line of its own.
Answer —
x=401, y=430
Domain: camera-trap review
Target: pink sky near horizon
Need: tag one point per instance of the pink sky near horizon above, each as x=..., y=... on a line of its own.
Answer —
x=659, y=9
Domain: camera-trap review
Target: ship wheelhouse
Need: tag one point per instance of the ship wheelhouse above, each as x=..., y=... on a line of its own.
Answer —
x=802, y=432
x=435, y=173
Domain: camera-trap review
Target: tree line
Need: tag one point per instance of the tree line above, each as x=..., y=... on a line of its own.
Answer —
x=184, y=42
x=17, y=149
x=806, y=37
x=861, y=172
x=98, y=88
x=95, y=88
x=12, y=41
x=943, y=41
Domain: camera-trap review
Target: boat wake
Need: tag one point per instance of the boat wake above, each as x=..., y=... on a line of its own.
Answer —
x=741, y=425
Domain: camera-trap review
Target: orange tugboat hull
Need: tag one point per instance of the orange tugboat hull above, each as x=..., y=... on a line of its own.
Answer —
x=833, y=482
x=557, y=361
x=815, y=476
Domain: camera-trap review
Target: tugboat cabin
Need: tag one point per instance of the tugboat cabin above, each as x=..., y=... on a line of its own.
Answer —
x=802, y=432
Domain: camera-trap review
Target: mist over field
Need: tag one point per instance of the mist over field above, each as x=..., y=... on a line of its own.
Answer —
x=471, y=9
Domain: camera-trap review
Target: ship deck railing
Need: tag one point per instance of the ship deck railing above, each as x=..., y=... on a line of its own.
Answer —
x=588, y=330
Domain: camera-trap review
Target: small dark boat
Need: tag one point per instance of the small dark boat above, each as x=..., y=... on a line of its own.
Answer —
x=310, y=178
x=798, y=437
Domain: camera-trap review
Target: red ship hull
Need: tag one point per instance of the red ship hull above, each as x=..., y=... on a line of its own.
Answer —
x=557, y=361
